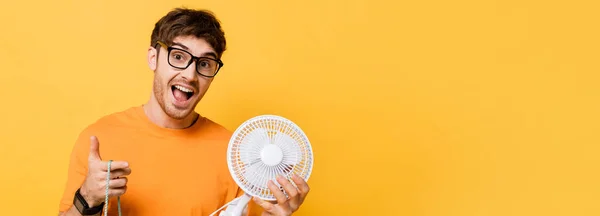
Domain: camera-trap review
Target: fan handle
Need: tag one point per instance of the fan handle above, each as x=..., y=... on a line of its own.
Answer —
x=236, y=207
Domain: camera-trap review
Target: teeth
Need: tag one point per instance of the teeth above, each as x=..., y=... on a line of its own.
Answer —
x=183, y=89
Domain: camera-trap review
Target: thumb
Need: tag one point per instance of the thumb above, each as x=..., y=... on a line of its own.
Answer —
x=94, y=149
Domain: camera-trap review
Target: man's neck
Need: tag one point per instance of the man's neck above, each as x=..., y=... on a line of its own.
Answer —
x=156, y=114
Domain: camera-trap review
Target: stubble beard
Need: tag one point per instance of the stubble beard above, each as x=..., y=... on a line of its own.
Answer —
x=161, y=93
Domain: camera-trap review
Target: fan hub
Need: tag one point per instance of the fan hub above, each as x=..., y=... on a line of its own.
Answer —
x=271, y=155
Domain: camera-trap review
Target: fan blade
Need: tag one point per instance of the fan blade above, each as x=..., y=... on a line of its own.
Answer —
x=289, y=147
x=253, y=174
x=251, y=145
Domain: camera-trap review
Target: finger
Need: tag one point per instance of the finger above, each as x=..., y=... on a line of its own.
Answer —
x=117, y=191
x=268, y=207
x=120, y=173
x=117, y=183
x=303, y=187
x=291, y=191
x=281, y=199
x=115, y=165
x=94, y=149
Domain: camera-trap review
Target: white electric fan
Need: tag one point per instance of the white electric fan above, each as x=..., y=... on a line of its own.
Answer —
x=260, y=149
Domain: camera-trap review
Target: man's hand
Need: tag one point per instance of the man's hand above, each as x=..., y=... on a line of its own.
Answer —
x=94, y=186
x=285, y=206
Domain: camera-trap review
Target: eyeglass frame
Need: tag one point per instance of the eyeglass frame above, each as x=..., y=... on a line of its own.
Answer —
x=194, y=59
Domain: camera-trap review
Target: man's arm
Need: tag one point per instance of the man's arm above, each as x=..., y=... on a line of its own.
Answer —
x=87, y=172
x=76, y=172
x=73, y=212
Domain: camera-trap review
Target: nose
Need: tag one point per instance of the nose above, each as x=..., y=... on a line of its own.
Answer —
x=190, y=72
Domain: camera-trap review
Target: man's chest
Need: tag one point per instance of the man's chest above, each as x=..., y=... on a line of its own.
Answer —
x=170, y=176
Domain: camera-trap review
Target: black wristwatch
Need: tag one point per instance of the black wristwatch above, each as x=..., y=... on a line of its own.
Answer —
x=83, y=207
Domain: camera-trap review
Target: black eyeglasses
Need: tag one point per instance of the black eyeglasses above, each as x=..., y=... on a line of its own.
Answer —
x=181, y=59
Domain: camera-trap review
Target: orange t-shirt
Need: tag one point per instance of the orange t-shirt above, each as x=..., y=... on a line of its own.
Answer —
x=173, y=171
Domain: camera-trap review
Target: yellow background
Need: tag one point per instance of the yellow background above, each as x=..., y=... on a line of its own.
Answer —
x=413, y=107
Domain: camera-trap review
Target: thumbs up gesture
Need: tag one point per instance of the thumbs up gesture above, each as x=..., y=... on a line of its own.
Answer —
x=93, y=188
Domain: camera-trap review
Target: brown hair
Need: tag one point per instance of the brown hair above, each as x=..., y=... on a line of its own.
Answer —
x=185, y=22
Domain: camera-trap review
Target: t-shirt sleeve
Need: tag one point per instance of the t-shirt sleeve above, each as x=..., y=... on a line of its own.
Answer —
x=77, y=170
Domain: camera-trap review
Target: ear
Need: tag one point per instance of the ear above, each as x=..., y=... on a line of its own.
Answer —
x=152, y=58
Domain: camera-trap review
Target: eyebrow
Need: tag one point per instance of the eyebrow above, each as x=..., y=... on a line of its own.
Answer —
x=212, y=54
x=181, y=45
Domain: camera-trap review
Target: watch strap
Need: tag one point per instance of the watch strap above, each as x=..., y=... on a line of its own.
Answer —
x=82, y=206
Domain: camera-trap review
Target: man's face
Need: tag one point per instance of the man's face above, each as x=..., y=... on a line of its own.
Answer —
x=178, y=91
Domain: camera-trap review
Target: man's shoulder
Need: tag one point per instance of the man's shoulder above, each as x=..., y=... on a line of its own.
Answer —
x=103, y=127
x=113, y=120
x=217, y=128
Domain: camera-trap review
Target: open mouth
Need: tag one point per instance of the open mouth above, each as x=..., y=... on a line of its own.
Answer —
x=181, y=93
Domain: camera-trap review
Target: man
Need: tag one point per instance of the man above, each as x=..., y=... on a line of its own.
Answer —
x=166, y=158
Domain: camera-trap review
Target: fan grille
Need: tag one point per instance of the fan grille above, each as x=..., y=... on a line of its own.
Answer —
x=244, y=154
